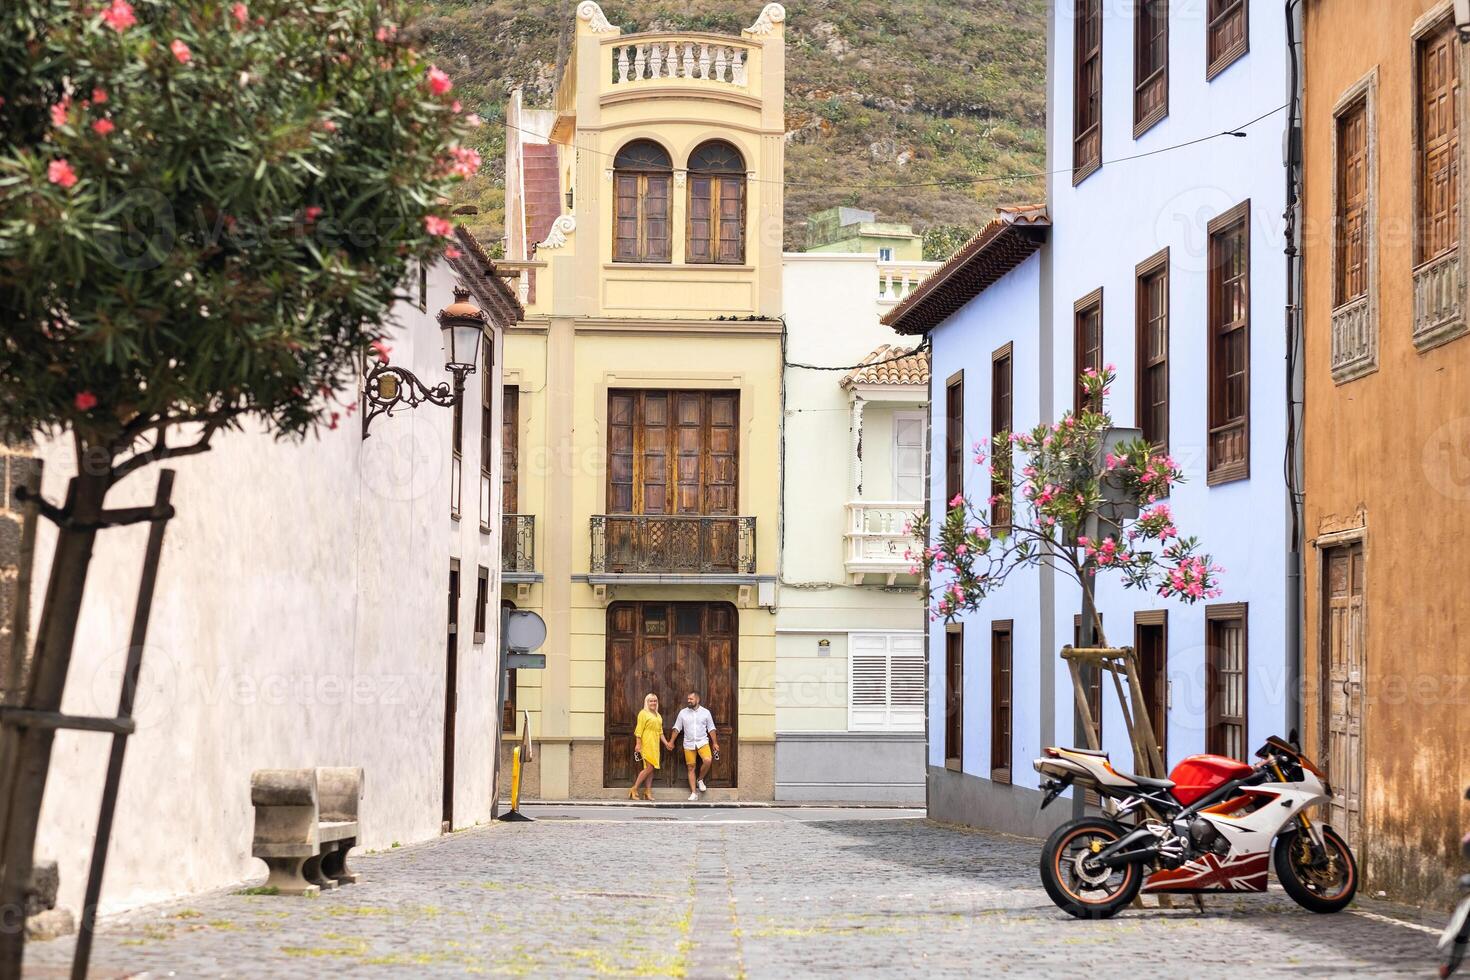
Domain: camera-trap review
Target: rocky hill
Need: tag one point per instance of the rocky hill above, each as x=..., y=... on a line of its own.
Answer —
x=924, y=93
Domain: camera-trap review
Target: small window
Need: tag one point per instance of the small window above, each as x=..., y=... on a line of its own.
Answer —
x=716, y=205
x=954, y=700
x=1001, y=423
x=1151, y=641
x=886, y=682
x=642, y=173
x=1227, y=36
x=1087, y=90
x=510, y=429
x=1150, y=63
x=482, y=597
x=908, y=457
x=1438, y=143
x=1229, y=345
x=954, y=438
x=1152, y=310
x=1000, y=701
x=1226, y=661
x=1087, y=348
x=885, y=255
x=1351, y=281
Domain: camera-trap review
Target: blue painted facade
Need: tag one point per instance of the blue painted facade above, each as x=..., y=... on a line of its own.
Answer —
x=1118, y=216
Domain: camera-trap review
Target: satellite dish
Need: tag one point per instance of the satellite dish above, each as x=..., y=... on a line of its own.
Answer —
x=524, y=630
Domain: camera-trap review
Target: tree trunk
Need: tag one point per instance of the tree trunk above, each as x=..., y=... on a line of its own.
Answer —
x=55, y=636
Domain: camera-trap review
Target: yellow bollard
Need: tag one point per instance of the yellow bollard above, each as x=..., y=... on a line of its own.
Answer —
x=514, y=814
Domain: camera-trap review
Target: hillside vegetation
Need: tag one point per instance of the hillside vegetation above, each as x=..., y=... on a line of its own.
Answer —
x=909, y=92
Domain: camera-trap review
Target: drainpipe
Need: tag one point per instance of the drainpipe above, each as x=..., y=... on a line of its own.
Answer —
x=1295, y=393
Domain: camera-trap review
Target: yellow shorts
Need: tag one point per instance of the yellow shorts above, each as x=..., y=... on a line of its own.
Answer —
x=702, y=751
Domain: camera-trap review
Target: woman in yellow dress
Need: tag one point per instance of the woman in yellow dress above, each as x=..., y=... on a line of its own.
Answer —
x=647, y=735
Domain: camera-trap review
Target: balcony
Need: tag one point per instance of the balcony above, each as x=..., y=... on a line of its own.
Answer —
x=658, y=544
x=517, y=545
x=878, y=536
x=896, y=280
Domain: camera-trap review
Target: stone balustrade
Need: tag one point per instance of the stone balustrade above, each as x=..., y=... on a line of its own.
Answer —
x=701, y=59
x=896, y=280
x=880, y=539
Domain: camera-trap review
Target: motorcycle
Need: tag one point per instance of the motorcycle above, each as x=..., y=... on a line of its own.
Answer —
x=1209, y=827
x=1456, y=935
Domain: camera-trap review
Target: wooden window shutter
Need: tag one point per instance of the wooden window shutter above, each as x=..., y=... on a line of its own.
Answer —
x=1352, y=204
x=620, y=449
x=510, y=450
x=701, y=223
x=655, y=207
x=732, y=220
x=625, y=240
x=1439, y=142
x=954, y=440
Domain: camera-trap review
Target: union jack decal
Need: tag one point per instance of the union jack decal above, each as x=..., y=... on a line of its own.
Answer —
x=1242, y=873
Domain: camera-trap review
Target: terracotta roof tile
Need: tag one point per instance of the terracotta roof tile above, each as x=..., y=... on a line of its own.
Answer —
x=891, y=366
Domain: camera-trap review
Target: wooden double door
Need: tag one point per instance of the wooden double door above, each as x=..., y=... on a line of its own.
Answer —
x=1344, y=644
x=670, y=649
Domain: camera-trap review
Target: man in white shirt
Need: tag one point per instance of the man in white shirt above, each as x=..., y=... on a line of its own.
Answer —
x=698, y=726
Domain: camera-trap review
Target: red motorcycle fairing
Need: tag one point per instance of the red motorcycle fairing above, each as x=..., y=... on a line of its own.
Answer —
x=1201, y=774
x=1211, y=873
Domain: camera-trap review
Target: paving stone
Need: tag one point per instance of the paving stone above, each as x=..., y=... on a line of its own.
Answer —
x=768, y=898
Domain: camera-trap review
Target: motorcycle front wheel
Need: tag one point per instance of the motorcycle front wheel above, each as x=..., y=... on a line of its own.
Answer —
x=1318, y=886
x=1078, y=888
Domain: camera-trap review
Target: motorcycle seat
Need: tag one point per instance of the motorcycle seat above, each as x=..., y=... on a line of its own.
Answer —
x=1148, y=782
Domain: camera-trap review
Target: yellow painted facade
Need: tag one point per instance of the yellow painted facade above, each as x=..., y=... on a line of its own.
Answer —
x=594, y=324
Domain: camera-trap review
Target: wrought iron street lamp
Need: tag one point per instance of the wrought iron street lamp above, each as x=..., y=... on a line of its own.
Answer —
x=389, y=387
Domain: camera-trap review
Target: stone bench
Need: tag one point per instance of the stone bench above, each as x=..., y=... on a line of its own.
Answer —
x=305, y=823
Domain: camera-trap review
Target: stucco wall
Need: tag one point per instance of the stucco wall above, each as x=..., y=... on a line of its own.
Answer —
x=1387, y=452
x=299, y=621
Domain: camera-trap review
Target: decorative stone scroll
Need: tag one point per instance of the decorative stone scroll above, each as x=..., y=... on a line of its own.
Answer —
x=772, y=15
x=560, y=229
x=597, y=22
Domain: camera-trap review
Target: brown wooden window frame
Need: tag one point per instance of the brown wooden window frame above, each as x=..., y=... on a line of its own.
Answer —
x=1352, y=202
x=508, y=710
x=954, y=696
x=1087, y=89
x=1082, y=348
x=1220, y=333
x=651, y=182
x=1150, y=618
x=1002, y=420
x=487, y=430
x=1150, y=81
x=1216, y=721
x=1092, y=680
x=1439, y=33
x=672, y=479
x=1150, y=362
x=954, y=438
x=1219, y=17
x=720, y=186
x=482, y=598
x=1002, y=700
x=510, y=449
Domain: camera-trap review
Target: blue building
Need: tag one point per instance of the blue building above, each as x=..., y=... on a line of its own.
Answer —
x=1165, y=259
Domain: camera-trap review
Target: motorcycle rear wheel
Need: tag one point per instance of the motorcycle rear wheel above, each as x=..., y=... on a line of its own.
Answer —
x=1081, y=892
x=1316, y=888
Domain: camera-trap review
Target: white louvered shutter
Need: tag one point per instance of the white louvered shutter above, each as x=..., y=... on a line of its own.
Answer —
x=885, y=682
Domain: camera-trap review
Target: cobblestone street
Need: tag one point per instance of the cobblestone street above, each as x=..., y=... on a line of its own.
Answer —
x=622, y=891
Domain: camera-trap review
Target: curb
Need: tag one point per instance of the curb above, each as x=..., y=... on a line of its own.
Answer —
x=730, y=805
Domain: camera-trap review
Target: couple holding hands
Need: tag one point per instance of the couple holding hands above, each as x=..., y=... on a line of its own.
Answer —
x=698, y=726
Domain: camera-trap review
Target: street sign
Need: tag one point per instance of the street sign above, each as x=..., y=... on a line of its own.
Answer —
x=524, y=631
x=525, y=661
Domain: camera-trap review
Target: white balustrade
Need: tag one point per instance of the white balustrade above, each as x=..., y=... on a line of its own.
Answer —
x=896, y=280
x=674, y=58
x=881, y=540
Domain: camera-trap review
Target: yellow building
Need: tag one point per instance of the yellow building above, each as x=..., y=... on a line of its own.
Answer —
x=643, y=414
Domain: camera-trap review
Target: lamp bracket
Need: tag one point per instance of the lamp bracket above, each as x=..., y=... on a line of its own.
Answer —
x=405, y=389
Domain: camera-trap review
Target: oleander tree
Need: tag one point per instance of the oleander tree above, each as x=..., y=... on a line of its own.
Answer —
x=1068, y=497
x=207, y=210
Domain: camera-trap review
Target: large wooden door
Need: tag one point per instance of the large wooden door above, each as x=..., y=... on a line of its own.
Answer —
x=1343, y=652
x=451, y=696
x=670, y=649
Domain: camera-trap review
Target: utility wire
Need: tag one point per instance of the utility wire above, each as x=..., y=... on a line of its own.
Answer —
x=901, y=355
x=1237, y=131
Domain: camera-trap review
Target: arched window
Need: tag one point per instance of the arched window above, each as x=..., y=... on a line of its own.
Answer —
x=716, y=204
x=641, y=175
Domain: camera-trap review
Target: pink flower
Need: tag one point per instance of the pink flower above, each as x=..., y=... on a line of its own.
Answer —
x=241, y=13
x=386, y=33
x=181, y=51
x=58, y=112
x=456, y=107
x=381, y=349
x=474, y=121
x=102, y=127
x=329, y=126
x=312, y=213
x=335, y=417
x=466, y=162
x=99, y=96
x=439, y=82
x=85, y=401
x=452, y=253
x=959, y=498
x=438, y=226
x=60, y=172
x=119, y=16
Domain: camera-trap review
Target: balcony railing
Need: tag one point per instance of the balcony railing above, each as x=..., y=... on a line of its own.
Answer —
x=897, y=279
x=675, y=545
x=518, y=543
x=692, y=57
x=879, y=535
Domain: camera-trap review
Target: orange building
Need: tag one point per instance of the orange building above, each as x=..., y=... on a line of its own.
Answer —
x=1387, y=434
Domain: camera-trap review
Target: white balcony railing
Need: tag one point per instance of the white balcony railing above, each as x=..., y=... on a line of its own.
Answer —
x=879, y=536
x=697, y=58
x=897, y=279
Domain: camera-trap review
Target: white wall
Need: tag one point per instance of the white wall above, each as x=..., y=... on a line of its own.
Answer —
x=299, y=620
